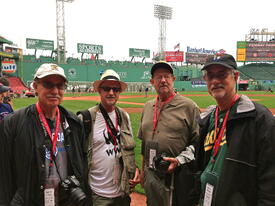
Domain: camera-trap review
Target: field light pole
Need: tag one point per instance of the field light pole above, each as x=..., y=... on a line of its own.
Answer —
x=163, y=13
x=60, y=31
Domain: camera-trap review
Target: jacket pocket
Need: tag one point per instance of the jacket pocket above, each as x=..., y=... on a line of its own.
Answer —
x=127, y=140
x=17, y=199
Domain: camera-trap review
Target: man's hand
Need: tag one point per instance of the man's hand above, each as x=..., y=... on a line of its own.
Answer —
x=173, y=163
x=133, y=182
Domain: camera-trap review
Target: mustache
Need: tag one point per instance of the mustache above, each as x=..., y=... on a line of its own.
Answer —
x=110, y=96
x=163, y=85
x=218, y=86
x=53, y=96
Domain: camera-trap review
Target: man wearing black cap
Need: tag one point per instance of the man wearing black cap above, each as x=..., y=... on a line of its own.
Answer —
x=236, y=149
x=5, y=108
x=168, y=131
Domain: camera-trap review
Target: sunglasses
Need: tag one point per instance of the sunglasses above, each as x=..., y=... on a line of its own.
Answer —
x=107, y=89
x=49, y=85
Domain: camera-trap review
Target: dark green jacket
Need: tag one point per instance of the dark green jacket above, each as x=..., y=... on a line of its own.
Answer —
x=248, y=173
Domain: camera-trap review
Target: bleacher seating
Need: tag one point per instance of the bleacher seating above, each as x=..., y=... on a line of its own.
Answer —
x=46, y=59
x=259, y=71
x=29, y=58
x=71, y=60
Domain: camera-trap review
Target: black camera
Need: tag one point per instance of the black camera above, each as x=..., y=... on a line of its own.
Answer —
x=71, y=191
x=160, y=164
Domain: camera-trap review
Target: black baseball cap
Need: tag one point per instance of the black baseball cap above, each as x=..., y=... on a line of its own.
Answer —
x=3, y=88
x=162, y=65
x=225, y=60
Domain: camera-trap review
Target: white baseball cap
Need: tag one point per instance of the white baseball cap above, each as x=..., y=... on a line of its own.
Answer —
x=49, y=69
x=109, y=75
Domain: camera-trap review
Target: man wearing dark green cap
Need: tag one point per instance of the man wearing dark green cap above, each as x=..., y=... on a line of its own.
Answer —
x=237, y=142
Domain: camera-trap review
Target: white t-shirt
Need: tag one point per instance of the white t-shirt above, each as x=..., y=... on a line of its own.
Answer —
x=106, y=169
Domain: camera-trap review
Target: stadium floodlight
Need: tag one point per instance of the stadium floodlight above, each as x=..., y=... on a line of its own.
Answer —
x=163, y=13
x=60, y=31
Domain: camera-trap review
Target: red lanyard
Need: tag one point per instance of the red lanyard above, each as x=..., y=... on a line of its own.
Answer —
x=221, y=131
x=111, y=133
x=46, y=126
x=157, y=112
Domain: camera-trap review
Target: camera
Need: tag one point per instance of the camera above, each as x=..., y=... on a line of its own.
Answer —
x=71, y=191
x=160, y=164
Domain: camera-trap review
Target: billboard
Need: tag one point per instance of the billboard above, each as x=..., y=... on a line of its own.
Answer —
x=89, y=48
x=255, y=51
x=139, y=52
x=39, y=44
x=174, y=56
x=196, y=58
x=9, y=66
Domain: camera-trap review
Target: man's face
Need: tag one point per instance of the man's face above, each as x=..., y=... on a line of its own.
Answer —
x=221, y=81
x=50, y=90
x=163, y=81
x=109, y=92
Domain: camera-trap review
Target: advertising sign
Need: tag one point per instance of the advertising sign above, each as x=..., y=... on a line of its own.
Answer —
x=89, y=48
x=174, y=56
x=139, y=52
x=196, y=58
x=39, y=44
x=9, y=66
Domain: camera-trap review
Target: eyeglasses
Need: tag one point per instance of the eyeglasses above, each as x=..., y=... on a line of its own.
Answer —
x=49, y=85
x=219, y=75
x=160, y=77
x=107, y=89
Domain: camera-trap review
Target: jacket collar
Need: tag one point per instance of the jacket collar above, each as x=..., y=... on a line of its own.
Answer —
x=245, y=105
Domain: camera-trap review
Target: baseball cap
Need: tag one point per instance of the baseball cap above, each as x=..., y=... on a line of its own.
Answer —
x=225, y=60
x=109, y=75
x=161, y=65
x=49, y=69
x=3, y=88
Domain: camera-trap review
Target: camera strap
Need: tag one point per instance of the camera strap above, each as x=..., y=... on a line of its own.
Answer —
x=46, y=127
x=112, y=130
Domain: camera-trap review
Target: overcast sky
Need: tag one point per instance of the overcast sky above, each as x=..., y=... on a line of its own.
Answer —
x=123, y=24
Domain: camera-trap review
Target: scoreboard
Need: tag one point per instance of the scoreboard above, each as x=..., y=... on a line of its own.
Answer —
x=256, y=51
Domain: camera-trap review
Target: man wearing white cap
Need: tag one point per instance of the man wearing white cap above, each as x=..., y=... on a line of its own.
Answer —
x=41, y=147
x=111, y=158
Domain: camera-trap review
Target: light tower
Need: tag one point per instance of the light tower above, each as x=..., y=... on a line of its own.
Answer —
x=60, y=31
x=163, y=13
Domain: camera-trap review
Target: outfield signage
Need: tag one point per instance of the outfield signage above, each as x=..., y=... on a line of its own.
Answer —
x=89, y=48
x=255, y=51
x=9, y=66
x=202, y=50
x=139, y=52
x=174, y=56
x=196, y=58
x=39, y=44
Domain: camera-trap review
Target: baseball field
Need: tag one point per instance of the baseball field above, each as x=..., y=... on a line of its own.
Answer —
x=133, y=103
